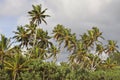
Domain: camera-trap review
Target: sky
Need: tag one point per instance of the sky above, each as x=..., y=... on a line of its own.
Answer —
x=79, y=15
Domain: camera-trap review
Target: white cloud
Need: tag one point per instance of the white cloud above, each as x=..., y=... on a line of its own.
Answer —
x=73, y=9
x=11, y=7
x=16, y=7
x=22, y=20
x=78, y=14
x=0, y=31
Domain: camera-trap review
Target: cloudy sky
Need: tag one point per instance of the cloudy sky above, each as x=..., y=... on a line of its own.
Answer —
x=79, y=15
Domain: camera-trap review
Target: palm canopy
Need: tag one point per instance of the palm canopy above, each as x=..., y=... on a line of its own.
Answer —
x=91, y=37
x=64, y=35
x=43, y=39
x=16, y=63
x=4, y=47
x=31, y=28
x=3, y=42
x=38, y=15
x=111, y=47
x=22, y=36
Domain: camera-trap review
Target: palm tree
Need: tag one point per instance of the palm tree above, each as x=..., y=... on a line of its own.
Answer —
x=64, y=35
x=91, y=37
x=31, y=28
x=22, y=36
x=32, y=31
x=43, y=39
x=16, y=63
x=4, y=48
x=38, y=53
x=58, y=33
x=86, y=40
x=99, y=49
x=97, y=33
x=111, y=47
x=94, y=61
x=54, y=51
x=80, y=55
x=38, y=15
x=109, y=64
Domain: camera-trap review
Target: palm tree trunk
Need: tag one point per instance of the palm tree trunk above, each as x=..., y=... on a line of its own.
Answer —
x=2, y=60
x=14, y=75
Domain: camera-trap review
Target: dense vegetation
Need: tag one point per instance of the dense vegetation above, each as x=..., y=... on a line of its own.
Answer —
x=27, y=58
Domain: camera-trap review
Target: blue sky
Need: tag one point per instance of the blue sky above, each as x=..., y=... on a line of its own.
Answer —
x=79, y=15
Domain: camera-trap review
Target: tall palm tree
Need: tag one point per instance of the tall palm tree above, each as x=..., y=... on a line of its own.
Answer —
x=38, y=15
x=64, y=35
x=22, y=36
x=32, y=31
x=41, y=44
x=58, y=32
x=86, y=40
x=97, y=33
x=80, y=55
x=43, y=39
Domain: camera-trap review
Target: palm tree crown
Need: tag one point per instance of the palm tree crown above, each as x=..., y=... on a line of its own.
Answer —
x=37, y=14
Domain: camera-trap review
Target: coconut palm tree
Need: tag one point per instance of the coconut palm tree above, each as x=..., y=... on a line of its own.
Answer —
x=37, y=15
x=31, y=28
x=94, y=61
x=38, y=53
x=85, y=39
x=43, y=39
x=58, y=32
x=32, y=31
x=111, y=47
x=97, y=33
x=22, y=36
x=4, y=48
x=99, y=49
x=64, y=35
x=41, y=44
x=54, y=51
x=80, y=55
x=109, y=64
x=16, y=63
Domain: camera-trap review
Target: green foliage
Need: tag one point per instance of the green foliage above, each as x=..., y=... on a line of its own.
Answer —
x=116, y=57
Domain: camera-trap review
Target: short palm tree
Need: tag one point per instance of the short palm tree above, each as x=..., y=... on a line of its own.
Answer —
x=4, y=48
x=109, y=64
x=16, y=64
